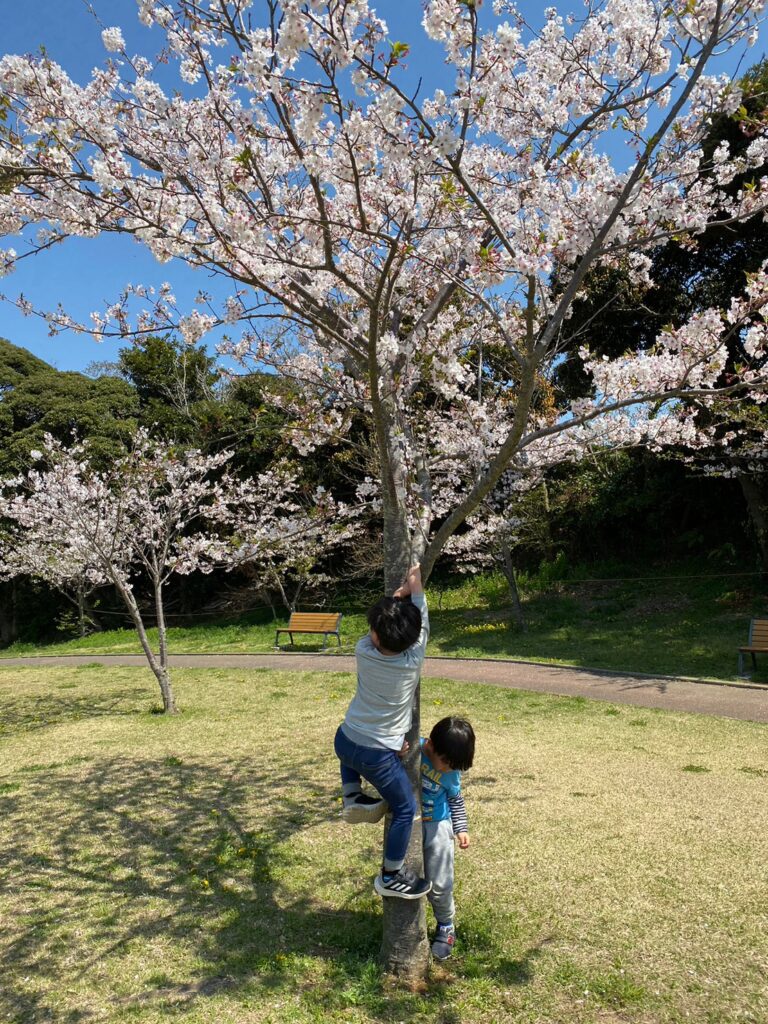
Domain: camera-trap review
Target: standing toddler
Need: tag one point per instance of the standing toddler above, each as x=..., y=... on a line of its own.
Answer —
x=449, y=750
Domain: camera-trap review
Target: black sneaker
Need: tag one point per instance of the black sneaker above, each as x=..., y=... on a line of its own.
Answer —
x=442, y=944
x=362, y=807
x=404, y=884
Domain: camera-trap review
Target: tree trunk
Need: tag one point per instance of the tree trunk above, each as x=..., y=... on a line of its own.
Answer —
x=397, y=548
x=267, y=596
x=295, y=597
x=159, y=669
x=754, y=498
x=548, y=541
x=514, y=593
x=283, y=595
x=161, y=630
x=404, y=948
x=81, y=609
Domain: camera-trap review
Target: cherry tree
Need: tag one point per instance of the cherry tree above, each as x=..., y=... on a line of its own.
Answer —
x=154, y=512
x=286, y=550
x=374, y=237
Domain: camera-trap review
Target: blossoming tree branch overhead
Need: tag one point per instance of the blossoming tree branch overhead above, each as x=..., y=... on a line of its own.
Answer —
x=376, y=238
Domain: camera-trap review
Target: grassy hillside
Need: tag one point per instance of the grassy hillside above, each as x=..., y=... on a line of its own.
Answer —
x=672, y=620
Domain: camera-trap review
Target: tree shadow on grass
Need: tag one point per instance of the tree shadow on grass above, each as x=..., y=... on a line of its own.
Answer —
x=147, y=853
x=27, y=711
x=138, y=886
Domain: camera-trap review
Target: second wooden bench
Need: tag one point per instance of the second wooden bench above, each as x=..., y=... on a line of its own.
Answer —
x=327, y=623
x=758, y=643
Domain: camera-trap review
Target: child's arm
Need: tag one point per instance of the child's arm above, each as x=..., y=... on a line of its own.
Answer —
x=459, y=820
x=412, y=584
x=413, y=580
x=413, y=588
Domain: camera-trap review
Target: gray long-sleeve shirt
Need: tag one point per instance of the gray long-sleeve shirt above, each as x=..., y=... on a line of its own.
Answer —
x=380, y=712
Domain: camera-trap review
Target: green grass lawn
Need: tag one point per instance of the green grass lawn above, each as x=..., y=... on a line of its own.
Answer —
x=669, y=626
x=195, y=867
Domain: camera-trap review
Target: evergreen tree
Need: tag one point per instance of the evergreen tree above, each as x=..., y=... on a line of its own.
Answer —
x=38, y=399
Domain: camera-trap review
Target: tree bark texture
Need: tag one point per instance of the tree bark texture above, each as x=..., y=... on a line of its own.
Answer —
x=404, y=948
x=514, y=593
x=397, y=546
x=754, y=496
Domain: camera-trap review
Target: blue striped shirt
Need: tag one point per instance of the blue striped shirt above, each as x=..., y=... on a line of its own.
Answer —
x=441, y=797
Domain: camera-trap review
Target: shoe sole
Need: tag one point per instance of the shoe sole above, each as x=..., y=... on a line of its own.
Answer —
x=370, y=814
x=382, y=890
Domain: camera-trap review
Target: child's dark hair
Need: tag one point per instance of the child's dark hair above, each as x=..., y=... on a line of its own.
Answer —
x=397, y=623
x=453, y=739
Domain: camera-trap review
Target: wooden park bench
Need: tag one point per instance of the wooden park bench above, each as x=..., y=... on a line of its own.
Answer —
x=327, y=623
x=758, y=643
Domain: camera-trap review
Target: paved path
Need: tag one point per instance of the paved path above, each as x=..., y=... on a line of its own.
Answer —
x=748, y=702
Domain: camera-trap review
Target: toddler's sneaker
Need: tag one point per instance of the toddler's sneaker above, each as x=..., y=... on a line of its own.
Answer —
x=362, y=807
x=404, y=884
x=442, y=944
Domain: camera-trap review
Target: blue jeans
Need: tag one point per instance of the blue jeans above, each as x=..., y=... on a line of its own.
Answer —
x=385, y=772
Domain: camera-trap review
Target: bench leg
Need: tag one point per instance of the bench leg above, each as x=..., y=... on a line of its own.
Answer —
x=339, y=639
x=325, y=640
x=291, y=636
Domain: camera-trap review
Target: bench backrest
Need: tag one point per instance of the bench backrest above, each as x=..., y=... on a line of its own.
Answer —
x=318, y=621
x=758, y=633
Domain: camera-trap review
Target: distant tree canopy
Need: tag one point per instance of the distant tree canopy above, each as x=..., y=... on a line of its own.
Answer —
x=183, y=397
x=167, y=371
x=170, y=388
x=36, y=399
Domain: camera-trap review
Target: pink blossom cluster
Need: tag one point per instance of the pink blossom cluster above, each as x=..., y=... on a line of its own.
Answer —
x=159, y=510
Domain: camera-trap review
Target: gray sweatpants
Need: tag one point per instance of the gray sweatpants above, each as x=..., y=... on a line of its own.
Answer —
x=438, y=867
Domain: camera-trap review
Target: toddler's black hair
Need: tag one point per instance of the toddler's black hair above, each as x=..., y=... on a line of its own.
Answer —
x=453, y=739
x=397, y=623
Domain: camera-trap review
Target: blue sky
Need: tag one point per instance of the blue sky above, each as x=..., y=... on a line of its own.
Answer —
x=83, y=274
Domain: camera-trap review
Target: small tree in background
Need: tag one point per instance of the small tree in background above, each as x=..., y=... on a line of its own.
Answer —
x=515, y=515
x=156, y=511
